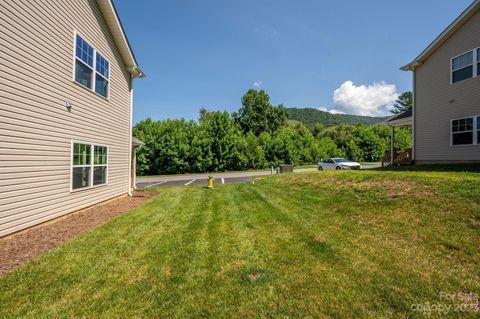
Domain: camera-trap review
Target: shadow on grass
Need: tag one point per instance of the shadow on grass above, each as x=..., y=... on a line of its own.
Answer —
x=474, y=168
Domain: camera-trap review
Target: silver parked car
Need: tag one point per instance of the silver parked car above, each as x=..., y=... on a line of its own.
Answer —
x=337, y=164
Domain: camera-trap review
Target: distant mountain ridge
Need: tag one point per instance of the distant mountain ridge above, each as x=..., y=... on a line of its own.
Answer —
x=311, y=116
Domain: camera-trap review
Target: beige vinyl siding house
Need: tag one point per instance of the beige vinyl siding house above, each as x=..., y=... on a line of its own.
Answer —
x=44, y=111
x=446, y=86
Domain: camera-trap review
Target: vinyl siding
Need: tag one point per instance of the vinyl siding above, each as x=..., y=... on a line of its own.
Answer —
x=36, y=129
x=437, y=102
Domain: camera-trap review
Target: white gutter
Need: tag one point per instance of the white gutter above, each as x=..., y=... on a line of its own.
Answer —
x=411, y=66
x=407, y=121
x=107, y=8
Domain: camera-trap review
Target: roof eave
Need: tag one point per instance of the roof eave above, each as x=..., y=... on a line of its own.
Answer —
x=402, y=121
x=137, y=142
x=400, y=117
x=451, y=29
x=411, y=66
x=107, y=8
x=136, y=71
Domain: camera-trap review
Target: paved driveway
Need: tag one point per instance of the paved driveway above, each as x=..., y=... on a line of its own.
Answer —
x=201, y=179
x=196, y=179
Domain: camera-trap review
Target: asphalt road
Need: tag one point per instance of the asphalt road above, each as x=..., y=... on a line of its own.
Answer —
x=201, y=179
x=191, y=181
x=198, y=179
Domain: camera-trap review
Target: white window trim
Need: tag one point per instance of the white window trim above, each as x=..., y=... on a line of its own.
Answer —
x=475, y=130
x=94, y=68
x=475, y=71
x=91, y=165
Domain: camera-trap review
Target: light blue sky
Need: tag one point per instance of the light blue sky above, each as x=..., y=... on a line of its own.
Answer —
x=209, y=53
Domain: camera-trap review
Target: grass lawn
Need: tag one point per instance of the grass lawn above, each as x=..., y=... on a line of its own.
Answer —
x=320, y=244
x=306, y=166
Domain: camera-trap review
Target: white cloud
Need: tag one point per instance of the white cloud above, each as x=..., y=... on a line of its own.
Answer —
x=371, y=100
x=257, y=84
x=333, y=111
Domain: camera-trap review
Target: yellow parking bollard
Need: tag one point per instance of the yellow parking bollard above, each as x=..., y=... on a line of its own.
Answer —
x=210, y=182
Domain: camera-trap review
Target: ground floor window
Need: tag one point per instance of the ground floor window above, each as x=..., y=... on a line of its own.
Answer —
x=466, y=131
x=478, y=129
x=89, y=165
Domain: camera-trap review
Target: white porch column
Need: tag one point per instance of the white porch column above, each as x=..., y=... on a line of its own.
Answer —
x=392, y=143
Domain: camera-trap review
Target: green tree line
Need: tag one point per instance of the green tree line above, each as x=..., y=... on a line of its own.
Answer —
x=259, y=135
x=311, y=116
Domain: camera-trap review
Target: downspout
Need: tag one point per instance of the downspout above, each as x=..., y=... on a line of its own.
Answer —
x=134, y=168
x=137, y=73
x=130, y=139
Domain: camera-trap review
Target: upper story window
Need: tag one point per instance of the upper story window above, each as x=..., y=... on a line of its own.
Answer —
x=466, y=66
x=462, y=67
x=92, y=70
x=478, y=61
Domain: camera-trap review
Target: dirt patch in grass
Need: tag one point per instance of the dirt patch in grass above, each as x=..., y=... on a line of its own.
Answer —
x=399, y=187
x=333, y=184
x=230, y=267
x=255, y=276
x=17, y=249
x=319, y=238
